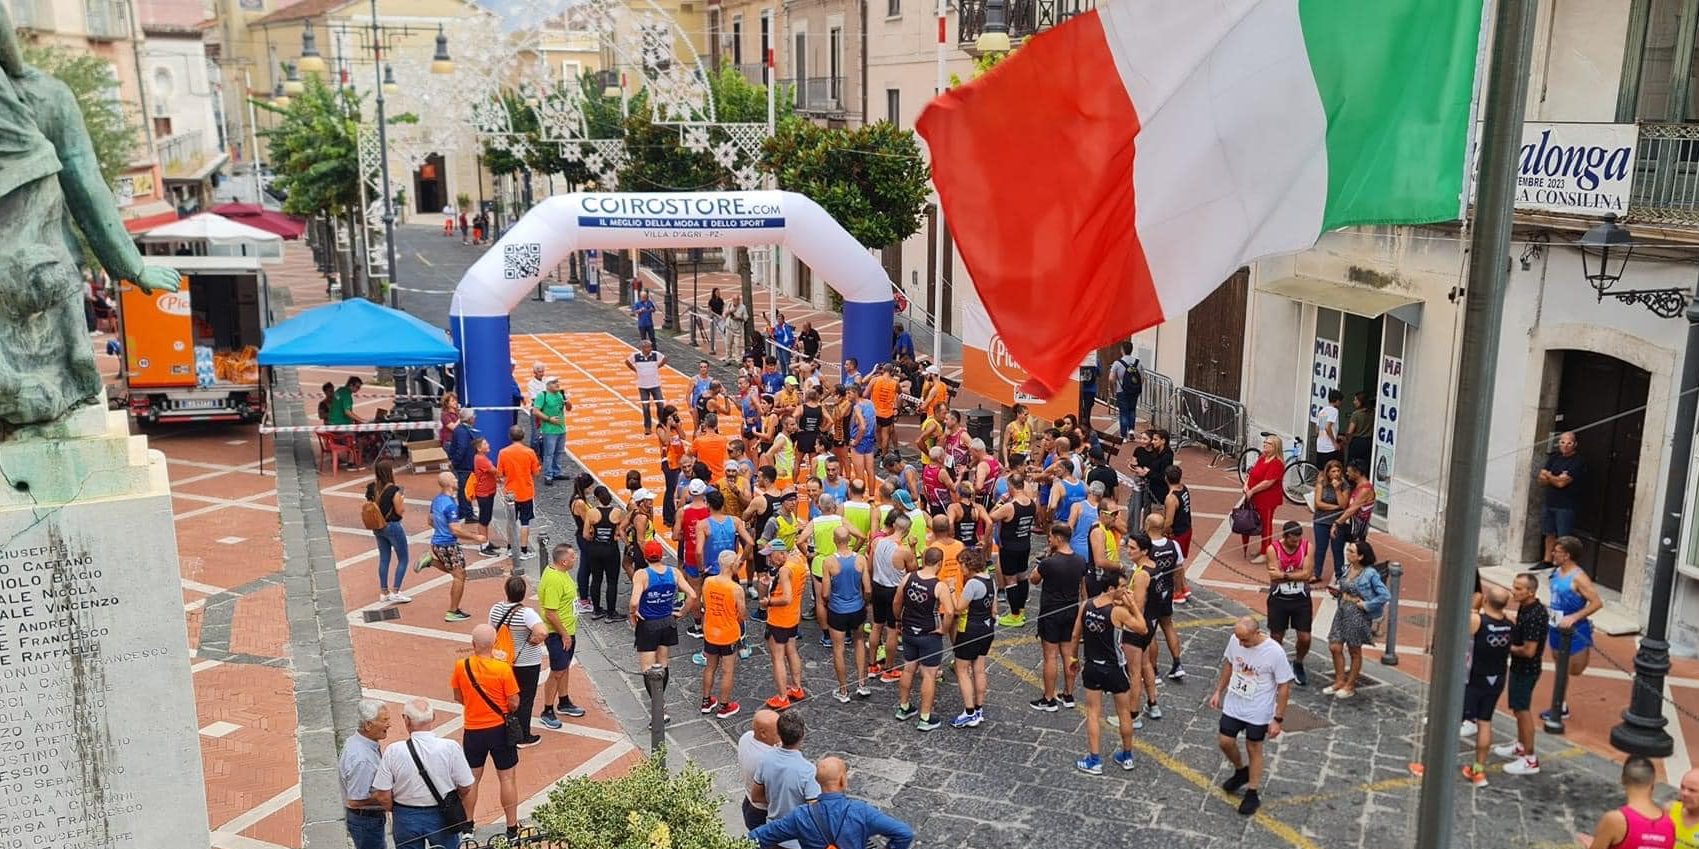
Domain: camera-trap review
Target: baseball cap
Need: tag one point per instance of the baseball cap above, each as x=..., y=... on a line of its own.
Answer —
x=1291, y=528
x=931, y=369
x=653, y=552
x=904, y=500
x=733, y=466
x=775, y=546
x=642, y=495
x=790, y=380
x=697, y=487
x=788, y=495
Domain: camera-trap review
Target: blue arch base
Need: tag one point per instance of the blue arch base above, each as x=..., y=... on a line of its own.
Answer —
x=867, y=332
x=484, y=378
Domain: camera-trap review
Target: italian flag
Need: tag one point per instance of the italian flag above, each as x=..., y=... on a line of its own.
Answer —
x=1114, y=170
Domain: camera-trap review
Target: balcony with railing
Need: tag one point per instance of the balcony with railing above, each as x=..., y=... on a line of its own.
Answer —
x=1024, y=17
x=184, y=154
x=1666, y=176
x=818, y=94
x=36, y=15
x=108, y=20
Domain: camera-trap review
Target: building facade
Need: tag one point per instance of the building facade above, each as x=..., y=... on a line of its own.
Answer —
x=184, y=89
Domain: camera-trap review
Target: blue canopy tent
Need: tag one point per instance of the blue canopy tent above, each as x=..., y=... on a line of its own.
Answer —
x=356, y=332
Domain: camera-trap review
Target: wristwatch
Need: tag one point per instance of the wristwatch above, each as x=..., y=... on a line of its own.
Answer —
x=1280, y=719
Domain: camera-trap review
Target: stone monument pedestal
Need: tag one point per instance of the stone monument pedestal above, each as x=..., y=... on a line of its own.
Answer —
x=98, y=735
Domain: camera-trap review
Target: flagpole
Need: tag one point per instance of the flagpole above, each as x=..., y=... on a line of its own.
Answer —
x=771, y=70
x=1483, y=318
x=934, y=301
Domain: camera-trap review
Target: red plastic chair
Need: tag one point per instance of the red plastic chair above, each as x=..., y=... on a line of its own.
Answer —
x=333, y=447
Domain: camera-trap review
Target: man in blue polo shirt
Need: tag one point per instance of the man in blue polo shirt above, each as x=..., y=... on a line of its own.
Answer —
x=834, y=819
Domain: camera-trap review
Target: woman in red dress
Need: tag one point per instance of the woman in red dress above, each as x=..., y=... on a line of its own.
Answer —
x=1262, y=489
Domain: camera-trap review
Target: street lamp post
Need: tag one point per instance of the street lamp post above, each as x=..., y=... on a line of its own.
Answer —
x=383, y=149
x=1605, y=250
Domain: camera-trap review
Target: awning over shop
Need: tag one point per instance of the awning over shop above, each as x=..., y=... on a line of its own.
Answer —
x=1352, y=298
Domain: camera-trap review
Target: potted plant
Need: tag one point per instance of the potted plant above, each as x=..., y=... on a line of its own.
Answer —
x=463, y=201
x=647, y=808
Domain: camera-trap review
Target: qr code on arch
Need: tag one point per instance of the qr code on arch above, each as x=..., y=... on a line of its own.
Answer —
x=521, y=261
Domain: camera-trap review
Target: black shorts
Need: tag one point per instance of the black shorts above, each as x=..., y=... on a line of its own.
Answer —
x=713, y=650
x=1479, y=700
x=1014, y=561
x=926, y=649
x=1140, y=641
x=884, y=421
x=654, y=633
x=1056, y=628
x=1158, y=605
x=781, y=635
x=1016, y=459
x=807, y=442
x=1289, y=613
x=526, y=510
x=972, y=644
x=486, y=508
x=883, y=598
x=846, y=622
x=1233, y=727
x=1521, y=689
x=1105, y=677
x=560, y=657
x=491, y=744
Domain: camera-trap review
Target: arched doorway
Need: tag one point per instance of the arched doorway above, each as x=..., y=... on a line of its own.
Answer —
x=1603, y=400
x=430, y=187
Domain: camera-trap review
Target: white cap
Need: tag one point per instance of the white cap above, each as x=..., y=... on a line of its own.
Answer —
x=642, y=495
x=733, y=464
x=931, y=369
x=697, y=487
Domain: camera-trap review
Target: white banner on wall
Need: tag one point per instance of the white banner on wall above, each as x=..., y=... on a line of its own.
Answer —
x=1387, y=401
x=1574, y=169
x=1324, y=375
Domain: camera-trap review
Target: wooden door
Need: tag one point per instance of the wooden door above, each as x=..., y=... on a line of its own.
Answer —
x=1603, y=399
x=1215, y=338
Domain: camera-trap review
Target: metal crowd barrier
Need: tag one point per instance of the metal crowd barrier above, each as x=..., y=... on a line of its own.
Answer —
x=1211, y=421
x=1159, y=403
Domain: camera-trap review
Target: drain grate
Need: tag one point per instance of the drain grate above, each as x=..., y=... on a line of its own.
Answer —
x=381, y=614
x=1300, y=719
x=485, y=572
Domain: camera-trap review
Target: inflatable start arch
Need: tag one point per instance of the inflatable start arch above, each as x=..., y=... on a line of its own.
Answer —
x=509, y=271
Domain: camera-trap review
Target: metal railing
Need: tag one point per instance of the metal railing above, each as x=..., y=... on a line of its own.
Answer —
x=1666, y=175
x=753, y=72
x=1024, y=17
x=1159, y=403
x=818, y=94
x=108, y=20
x=1214, y=422
x=31, y=14
x=182, y=153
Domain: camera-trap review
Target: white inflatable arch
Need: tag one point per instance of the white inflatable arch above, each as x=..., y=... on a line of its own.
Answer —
x=508, y=272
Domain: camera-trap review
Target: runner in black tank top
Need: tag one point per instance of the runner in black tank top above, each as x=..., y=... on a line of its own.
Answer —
x=601, y=556
x=1104, y=670
x=925, y=613
x=1015, y=517
x=1134, y=644
x=809, y=421
x=973, y=640
x=1182, y=512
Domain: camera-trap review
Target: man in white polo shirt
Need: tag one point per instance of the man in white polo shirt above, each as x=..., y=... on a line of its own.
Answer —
x=1256, y=679
x=413, y=797
x=646, y=363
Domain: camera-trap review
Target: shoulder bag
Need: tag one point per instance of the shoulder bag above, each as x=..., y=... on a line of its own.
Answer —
x=452, y=808
x=1245, y=518
x=511, y=723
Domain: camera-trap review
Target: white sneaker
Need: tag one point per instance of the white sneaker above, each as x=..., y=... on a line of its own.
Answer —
x=398, y=598
x=383, y=598
x=1329, y=690
x=1468, y=729
x=842, y=695
x=1525, y=765
x=1513, y=749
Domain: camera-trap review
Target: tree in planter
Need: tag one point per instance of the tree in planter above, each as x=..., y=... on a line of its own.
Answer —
x=648, y=808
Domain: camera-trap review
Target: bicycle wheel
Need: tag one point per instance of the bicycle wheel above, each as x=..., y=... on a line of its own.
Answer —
x=1299, y=481
x=1247, y=459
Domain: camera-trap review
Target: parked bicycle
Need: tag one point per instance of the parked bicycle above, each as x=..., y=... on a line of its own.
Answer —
x=1300, y=478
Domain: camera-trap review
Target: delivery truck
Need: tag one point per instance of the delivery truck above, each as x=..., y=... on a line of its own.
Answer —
x=192, y=355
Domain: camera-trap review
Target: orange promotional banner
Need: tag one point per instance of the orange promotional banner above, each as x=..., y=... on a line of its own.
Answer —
x=159, y=339
x=988, y=370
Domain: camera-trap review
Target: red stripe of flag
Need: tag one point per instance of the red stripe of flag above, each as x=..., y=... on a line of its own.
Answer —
x=1034, y=165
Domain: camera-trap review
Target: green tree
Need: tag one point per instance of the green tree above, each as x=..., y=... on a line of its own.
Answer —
x=315, y=149
x=91, y=79
x=647, y=808
x=981, y=63
x=871, y=179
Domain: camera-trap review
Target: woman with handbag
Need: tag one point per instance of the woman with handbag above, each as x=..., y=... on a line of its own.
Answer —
x=1262, y=494
x=1362, y=597
x=1361, y=507
x=382, y=514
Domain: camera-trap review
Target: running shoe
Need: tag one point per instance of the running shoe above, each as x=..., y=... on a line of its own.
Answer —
x=727, y=710
x=1477, y=777
x=1012, y=620
x=1090, y=765
x=489, y=550
x=528, y=742
x=1046, y=705
x=873, y=670
x=1513, y=749
x=694, y=629
x=862, y=692
x=699, y=659
x=569, y=709
x=1067, y=700
x=928, y=723
x=905, y=712
x=796, y=694
x=425, y=563
x=456, y=616
x=1467, y=729
x=891, y=676
x=978, y=716
x=585, y=605
x=1124, y=759
x=1547, y=714
x=1176, y=673
x=549, y=721
x=1153, y=710
x=1183, y=596
x=808, y=614
x=1329, y=690
x=1345, y=694
x=708, y=705
x=778, y=702
x=399, y=598
x=1525, y=765
x=825, y=640
x=1299, y=676
x=880, y=655
x=1250, y=803
x=842, y=695
x=962, y=720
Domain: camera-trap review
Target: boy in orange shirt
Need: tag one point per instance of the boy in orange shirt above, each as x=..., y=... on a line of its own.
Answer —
x=518, y=467
x=723, y=611
x=782, y=599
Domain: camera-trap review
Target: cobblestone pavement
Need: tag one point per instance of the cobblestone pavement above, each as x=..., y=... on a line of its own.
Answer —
x=1339, y=778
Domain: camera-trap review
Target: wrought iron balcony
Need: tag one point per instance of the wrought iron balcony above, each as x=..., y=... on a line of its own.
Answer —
x=108, y=20
x=1666, y=175
x=818, y=94
x=1024, y=17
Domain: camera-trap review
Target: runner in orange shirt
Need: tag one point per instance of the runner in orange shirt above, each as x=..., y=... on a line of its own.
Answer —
x=782, y=598
x=951, y=569
x=711, y=448
x=883, y=390
x=518, y=467
x=723, y=611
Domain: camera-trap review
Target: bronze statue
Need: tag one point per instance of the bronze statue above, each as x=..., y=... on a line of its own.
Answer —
x=48, y=168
